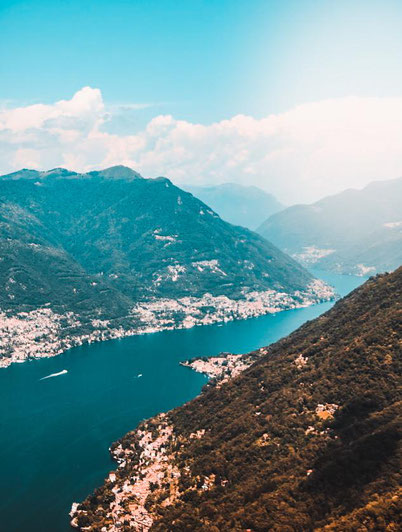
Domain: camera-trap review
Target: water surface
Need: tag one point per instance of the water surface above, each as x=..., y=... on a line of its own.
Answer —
x=55, y=432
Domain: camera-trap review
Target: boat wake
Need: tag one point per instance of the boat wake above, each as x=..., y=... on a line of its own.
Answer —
x=54, y=375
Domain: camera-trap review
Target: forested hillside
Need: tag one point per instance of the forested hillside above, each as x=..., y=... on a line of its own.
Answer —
x=306, y=438
x=98, y=255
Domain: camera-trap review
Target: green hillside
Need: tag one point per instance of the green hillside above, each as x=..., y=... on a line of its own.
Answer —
x=108, y=246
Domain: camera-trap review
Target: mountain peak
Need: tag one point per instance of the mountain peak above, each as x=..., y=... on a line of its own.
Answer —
x=25, y=173
x=119, y=172
x=58, y=172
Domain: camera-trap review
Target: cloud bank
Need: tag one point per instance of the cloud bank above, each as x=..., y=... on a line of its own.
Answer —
x=310, y=151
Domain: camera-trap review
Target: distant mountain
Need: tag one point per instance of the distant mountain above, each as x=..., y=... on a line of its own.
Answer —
x=357, y=231
x=237, y=204
x=92, y=256
x=307, y=438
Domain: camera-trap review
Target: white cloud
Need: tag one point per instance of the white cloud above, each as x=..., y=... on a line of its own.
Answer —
x=84, y=105
x=300, y=155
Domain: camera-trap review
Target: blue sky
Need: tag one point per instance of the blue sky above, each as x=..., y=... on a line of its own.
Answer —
x=201, y=60
x=300, y=97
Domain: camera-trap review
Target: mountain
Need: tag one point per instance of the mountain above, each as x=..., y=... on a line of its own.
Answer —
x=92, y=256
x=356, y=231
x=306, y=438
x=237, y=204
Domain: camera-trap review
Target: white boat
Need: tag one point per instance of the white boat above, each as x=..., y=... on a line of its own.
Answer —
x=63, y=372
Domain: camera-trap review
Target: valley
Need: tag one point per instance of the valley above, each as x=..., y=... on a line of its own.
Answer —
x=100, y=398
x=237, y=204
x=200, y=266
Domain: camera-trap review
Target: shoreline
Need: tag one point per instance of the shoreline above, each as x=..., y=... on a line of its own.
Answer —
x=224, y=366
x=42, y=333
x=147, y=458
x=150, y=458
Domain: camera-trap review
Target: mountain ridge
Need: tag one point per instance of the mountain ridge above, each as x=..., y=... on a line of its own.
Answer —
x=355, y=231
x=117, y=171
x=124, y=255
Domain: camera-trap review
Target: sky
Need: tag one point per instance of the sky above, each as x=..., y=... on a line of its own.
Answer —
x=302, y=98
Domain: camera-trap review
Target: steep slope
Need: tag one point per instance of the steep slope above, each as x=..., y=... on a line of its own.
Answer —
x=237, y=204
x=109, y=253
x=306, y=438
x=36, y=271
x=357, y=231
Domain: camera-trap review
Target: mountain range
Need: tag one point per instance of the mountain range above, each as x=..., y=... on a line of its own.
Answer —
x=240, y=205
x=92, y=256
x=307, y=437
x=354, y=232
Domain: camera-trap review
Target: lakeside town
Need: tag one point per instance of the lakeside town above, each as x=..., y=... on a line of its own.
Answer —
x=224, y=366
x=44, y=333
x=145, y=466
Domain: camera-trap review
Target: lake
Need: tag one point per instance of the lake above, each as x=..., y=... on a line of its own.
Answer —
x=55, y=433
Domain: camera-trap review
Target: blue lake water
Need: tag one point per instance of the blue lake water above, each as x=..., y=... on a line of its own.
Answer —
x=55, y=433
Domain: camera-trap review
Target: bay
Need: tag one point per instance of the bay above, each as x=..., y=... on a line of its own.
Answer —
x=55, y=431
